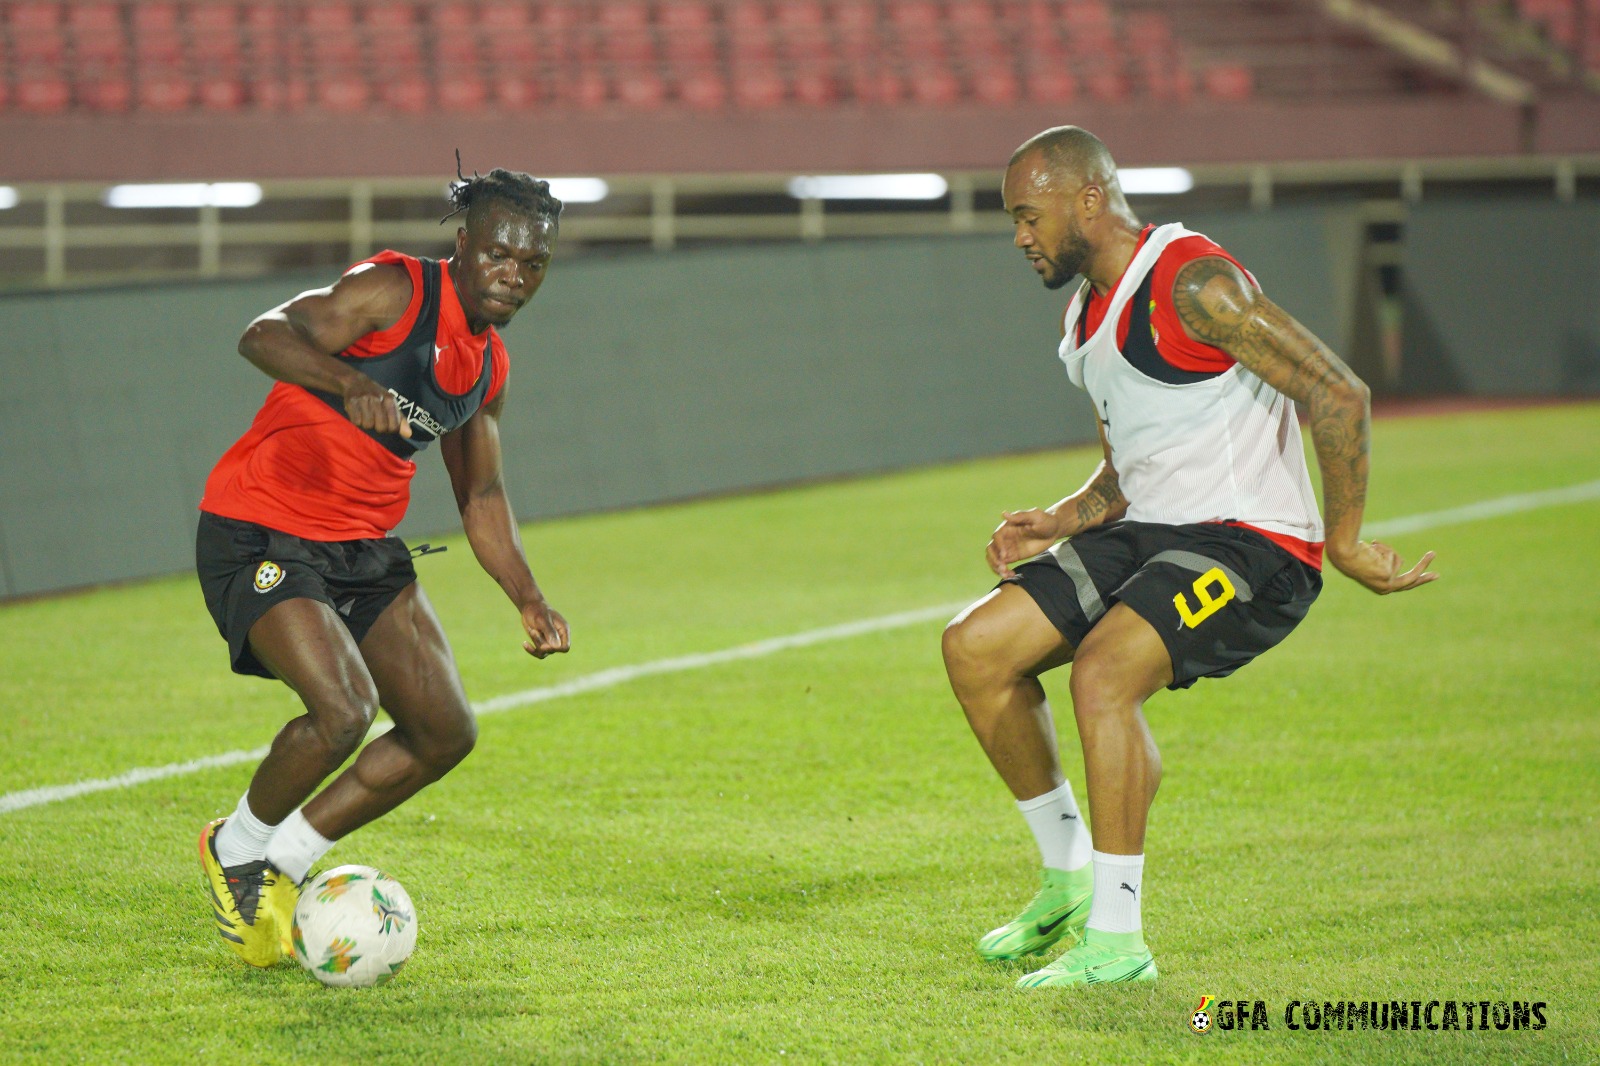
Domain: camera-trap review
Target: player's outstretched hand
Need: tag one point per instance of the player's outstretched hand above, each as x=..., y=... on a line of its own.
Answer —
x=547, y=630
x=1378, y=567
x=1021, y=535
x=371, y=406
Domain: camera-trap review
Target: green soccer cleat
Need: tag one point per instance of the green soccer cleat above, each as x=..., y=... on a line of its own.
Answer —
x=1102, y=959
x=236, y=902
x=1059, y=912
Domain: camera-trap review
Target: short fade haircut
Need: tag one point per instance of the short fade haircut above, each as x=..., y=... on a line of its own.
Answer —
x=521, y=192
x=1073, y=150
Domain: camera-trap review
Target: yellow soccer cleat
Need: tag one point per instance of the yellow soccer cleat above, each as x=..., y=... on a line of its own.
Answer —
x=236, y=902
x=281, y=896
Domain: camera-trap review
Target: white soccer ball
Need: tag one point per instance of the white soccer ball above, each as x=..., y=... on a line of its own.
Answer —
x=354, y=927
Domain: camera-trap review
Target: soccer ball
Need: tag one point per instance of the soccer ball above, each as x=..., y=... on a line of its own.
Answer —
x=354, y=927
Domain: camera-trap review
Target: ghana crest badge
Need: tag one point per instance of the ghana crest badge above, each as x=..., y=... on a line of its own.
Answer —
x=268, y=574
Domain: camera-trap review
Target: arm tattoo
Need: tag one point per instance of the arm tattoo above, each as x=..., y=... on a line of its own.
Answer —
x=1101, y=499
x=1220, y=307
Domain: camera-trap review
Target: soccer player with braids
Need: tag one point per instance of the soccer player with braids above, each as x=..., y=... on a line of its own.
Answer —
x=295, y=555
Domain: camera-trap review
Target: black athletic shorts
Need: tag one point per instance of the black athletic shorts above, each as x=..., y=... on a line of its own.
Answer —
x=245, y=569
x=1218, y=595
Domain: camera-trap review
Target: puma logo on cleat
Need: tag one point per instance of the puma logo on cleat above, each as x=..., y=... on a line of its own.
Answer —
x=1131, y=888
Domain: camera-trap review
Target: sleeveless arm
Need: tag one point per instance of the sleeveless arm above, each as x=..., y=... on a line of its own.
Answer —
x=1218, y=306
x=472, y=456
x=296, y=341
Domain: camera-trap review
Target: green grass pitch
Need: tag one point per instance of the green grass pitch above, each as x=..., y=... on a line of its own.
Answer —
x=788, y=859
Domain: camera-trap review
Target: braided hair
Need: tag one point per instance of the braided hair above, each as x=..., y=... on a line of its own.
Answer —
x=521, y=192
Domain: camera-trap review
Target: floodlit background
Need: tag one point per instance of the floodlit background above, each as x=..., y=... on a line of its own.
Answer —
x=783, y=377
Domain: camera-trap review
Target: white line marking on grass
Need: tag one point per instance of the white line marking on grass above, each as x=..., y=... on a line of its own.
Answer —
x=620, y=675
x=1502, y=505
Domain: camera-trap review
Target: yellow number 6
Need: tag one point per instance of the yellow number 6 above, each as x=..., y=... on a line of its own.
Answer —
x=1210, y=601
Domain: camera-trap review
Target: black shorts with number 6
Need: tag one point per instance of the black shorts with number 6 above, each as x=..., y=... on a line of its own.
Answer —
x=1218, y=595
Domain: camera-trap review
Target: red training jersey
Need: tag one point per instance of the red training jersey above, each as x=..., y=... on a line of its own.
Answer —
x=303, y=468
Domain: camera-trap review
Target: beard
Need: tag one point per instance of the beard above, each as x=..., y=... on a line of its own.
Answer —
x=1072, y=255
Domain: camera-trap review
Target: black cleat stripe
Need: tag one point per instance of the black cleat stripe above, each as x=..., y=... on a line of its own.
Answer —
x=224, y=934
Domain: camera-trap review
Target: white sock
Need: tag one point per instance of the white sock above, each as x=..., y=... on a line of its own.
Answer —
x=1057, y=825
x=243, y=837
x=1117, y=889
x=295, y=846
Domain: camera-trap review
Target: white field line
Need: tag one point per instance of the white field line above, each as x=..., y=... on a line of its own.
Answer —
x=619, y=675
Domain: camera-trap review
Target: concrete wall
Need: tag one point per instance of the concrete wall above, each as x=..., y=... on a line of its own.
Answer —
x=1502, y=298
x=635, y=379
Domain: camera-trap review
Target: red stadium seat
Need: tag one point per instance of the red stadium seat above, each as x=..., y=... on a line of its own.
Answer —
x=109, y=92
x=43, y=94
x=801, y=14
x=219, y=92
x=465, y=92
x=702, y=88
x=640, y=88
x=624, y=15
x=629, y=47
x=408, y=93
x=516, y=51
x=279, y=93
x=690, y=46
x=1230, y=82
x=100, y=51
x=38, y=48
x=876, y=84
x=99, y=18
x=996, y=84
x=160, y=47
x=33, y=16
x=330, y=16
x=506, y=19
x=1107, y=85
x=385, y=16
x=164, y=89
x=397, y=48
x=336, y=48
x=1051, y=84
x=155, y=16
x=934, y=86
x=922, y=14
x=814, y=86
x=811, y=44
x=342, y=92
x=456, y=49
x=684, y=14
x=515, y=92
x=452, y=16
x=582, y=87
x=757, y=86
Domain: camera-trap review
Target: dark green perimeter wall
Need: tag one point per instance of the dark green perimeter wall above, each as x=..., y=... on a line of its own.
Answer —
x=635, y=379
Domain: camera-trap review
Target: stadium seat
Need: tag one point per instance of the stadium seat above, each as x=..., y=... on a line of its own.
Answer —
x=794, y=15
x=689, y=46
x=33, y=16
x=757, y=86
x=702, y=88
x=95, y=18
x=995, y=84
x=1051, y=84
x=155, y=17
x=582, y=87
x=464, y=92
x=407, y=93
x=330, y=16
x=515, y=92
x=44, y=94
x=630, y=48
x=38, y=48
x=107, y=92
x=934, y=86
x=276, y=93
x=378, y=15
x=1230, y=82
x=164, y=89
x=814, y=85
x=219, y=91
x=159, y=47
x=341, y=92
x=876, y=84
x=99, y=51
x=624, y=16
x=452, y=16
x=640, y=87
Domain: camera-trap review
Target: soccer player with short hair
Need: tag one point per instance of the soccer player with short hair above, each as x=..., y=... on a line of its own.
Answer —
x=1195, y=546
x=294, y=551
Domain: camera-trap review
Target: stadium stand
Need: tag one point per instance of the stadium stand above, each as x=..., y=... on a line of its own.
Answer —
x=348, y=56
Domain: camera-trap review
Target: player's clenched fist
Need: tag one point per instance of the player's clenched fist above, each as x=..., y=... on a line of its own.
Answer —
x=371, y=406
